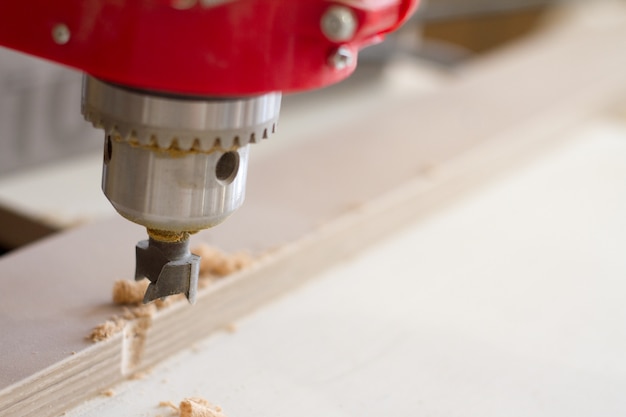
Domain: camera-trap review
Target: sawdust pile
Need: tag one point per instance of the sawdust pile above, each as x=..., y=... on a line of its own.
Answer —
x=107, y=329
x=194, y=407
x=130, y=293
x=127, y=292
x=114, y=325
x=214, y=264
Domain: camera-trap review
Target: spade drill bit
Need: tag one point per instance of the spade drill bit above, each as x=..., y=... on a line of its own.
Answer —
x=169, y=265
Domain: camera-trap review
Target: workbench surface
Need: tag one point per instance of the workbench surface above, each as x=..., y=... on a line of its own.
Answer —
x=510, y=302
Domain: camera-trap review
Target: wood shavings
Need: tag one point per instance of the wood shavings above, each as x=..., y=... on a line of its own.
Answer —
x=130, y=293
x=199, y=407
x=127, y=292
x=108, y=393
x=194, y=407
x=124, y=293
x=106, y=330
x=140, y=316
x=116, y=324
x=142, y=311
x=169, y=404
x=217, y=263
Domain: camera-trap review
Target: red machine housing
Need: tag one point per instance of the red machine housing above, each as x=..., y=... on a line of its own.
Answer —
x=198, y=47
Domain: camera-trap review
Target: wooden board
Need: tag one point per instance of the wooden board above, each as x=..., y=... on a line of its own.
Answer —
x=508, y=299
x=307, y=208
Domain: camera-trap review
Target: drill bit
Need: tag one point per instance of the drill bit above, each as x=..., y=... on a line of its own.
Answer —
x=165, y=259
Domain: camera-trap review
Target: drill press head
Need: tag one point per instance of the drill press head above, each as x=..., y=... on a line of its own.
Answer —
x=181, y=89
x=175, y=164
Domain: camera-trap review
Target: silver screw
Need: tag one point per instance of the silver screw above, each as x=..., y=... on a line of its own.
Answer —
x=61, y=34
x=338, y=23
x=341, y=58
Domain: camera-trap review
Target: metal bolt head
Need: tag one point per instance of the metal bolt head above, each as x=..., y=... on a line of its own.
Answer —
x=61, y=34
x=338, y=23
x=341, y=58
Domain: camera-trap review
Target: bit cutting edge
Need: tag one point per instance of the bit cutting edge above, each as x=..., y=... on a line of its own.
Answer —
x=170, y=266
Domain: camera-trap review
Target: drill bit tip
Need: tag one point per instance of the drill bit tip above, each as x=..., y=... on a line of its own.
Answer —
x=170, y=266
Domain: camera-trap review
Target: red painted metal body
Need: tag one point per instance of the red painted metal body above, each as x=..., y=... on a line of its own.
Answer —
x=203, y=47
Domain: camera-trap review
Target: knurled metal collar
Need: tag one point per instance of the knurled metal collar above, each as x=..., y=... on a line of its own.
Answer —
x=180, y=122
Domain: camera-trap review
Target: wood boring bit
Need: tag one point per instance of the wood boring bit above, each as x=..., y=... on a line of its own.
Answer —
x=169, y=265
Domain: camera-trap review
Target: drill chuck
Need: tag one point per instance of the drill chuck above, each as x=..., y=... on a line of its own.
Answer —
x=171, y=190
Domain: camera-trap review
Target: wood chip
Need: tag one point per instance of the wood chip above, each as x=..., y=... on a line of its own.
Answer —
x=194, y=407
x=108, y=393
x=217, y=263
x=138, y=312
x=199, y=407
x=126, y=292
x=143, y=314
x=169, y=404
x=106, y=330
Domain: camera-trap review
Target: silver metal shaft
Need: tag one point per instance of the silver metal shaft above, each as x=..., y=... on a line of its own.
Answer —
x=174, y=191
